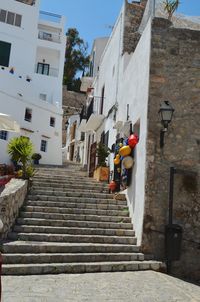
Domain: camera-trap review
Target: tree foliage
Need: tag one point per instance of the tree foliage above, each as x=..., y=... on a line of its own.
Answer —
x=102, y=153
x=170, y=6
x=76, y=59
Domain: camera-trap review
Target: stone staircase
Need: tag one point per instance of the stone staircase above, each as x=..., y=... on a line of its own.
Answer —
x=70, y=224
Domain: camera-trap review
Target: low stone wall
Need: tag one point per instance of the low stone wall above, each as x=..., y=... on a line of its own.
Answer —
x=11, y=199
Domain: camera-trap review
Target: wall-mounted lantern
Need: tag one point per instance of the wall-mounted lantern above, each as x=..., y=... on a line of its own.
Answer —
x=166, y=113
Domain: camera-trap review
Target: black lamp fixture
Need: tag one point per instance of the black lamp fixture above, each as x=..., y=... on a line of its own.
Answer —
x=166, y=113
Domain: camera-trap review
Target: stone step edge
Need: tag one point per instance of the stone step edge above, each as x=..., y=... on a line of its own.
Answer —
x=71, y=199
x=77, y=221
x=82, y=211
x=70, y=190
x=70, y=228
x=74, y=215
x=82, y=267
x=76, y=205
x=71, y=235
x=71, y=254
x=25, y=247
x=31, y=258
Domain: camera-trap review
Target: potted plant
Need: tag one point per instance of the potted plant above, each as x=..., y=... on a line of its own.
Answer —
x=36, y=157
x=101, y=172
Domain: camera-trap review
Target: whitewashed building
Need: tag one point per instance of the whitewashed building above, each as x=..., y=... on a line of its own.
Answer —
x=32, y=49
x=119, y=97
x=74, y=149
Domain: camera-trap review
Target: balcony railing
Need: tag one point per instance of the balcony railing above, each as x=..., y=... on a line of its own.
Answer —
x=50, y=17
x=47, y=36
x=52, y=72
x=28, y=2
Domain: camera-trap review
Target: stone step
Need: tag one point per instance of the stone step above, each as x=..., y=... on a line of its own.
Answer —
x=68, y=258
x=77, y=199
x=30, y=247
x=71, y=169
x=71, y=230
x=70, y=194
x=77, y=211
x=69, y=188
x=72, y=186
x=75, y=174
x=73, y=177
x=76, y=268
x=72, y=238
x=79, y=205
x=74, y=223
x=68, y=183
x=57, y=216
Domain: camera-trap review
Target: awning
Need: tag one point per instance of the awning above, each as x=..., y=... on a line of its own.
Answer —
x=94, y=122
x=8, y=124
x=82, y=126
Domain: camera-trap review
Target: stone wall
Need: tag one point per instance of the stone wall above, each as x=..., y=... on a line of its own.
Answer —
x=174, y=76
x=11, y=200
x=133, y=16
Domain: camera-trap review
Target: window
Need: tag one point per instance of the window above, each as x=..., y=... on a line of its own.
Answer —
x=4, y=135
x=43, y=96
x=18, y=20
x=82, y=136
x=43, y=68
x=52, y=121
x=3, y=15
x=102, y=99
x=47, y=36
x=28, y=115
x=10, y=18
x=43, y=146
x=104, y=138
x=4, y=53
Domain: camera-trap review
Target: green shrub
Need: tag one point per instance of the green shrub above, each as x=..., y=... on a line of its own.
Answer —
x=102, y=153
x=20, y=150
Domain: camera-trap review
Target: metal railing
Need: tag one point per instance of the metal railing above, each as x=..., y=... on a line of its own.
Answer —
x=50, y=17
x=52, y=72
x=47, y=36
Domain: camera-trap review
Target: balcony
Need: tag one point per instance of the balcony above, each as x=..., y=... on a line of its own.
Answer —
x=47, y=36
x=28, y=2
x=45, y=16
x=52, y=72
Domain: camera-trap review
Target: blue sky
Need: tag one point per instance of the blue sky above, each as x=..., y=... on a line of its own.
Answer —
x=93, y=18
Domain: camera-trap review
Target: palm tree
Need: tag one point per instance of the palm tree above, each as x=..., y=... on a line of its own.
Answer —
x=20, y=149
x=170, y=6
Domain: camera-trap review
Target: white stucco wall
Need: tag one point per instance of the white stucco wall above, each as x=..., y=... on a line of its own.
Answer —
x=134, y=92
x=97, y=50
x=126, y=80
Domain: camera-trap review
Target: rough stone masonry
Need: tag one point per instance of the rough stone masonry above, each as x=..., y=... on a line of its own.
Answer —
x=174, y=76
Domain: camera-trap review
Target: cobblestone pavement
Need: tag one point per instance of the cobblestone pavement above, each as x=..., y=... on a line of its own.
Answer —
x=147, y=286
